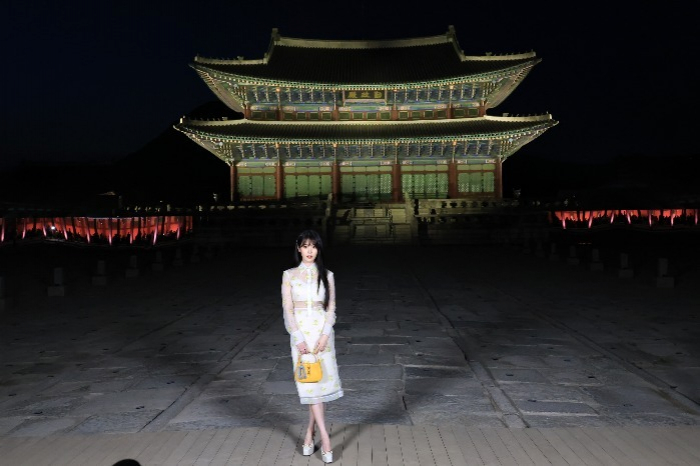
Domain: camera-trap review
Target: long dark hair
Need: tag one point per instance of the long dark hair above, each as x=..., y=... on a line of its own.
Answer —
x=315, y=238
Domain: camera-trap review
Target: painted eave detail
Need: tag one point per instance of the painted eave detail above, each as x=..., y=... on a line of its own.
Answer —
x=546, y=121
x=244, y=80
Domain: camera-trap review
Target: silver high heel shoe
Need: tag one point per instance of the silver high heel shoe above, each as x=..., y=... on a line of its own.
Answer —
x=307, y=450
x=327, y=456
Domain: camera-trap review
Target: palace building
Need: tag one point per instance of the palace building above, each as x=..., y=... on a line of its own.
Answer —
x=365, y=120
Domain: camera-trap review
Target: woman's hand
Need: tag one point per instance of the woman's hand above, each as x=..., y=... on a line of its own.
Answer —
x=321, y=344
x=303, y=349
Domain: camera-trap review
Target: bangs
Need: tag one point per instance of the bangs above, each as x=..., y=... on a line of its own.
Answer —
x=309, y=237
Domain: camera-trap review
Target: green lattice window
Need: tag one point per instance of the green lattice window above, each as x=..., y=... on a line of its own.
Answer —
x=425, y=185
x=489, y=182
x=366, y=186
x=306, y=185
x=476, y=182
x=347, y=185
x=256, y=186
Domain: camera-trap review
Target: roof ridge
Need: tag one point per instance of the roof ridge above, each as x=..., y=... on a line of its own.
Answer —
x=445, y=38
x=449, y=37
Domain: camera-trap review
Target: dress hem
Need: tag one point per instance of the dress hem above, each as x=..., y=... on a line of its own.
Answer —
x=321, y=399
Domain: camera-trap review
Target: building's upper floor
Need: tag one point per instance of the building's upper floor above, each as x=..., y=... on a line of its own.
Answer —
x=405, y=79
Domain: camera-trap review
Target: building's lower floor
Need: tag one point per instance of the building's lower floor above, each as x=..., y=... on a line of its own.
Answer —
x=366, y=181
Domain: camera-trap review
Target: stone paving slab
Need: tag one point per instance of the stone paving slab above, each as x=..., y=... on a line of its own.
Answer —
x=447, y=386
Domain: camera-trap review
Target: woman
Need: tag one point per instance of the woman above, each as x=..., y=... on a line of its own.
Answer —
x=308, y=299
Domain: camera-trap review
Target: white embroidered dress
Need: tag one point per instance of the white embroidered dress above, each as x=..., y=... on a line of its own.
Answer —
x=306, y=320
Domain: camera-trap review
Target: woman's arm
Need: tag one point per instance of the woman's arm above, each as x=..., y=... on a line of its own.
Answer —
x=290, y=321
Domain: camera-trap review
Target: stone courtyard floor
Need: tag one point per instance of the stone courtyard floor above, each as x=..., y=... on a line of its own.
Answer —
x=448, y=355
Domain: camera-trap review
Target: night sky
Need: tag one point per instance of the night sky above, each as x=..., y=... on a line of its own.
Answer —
x=95, y=81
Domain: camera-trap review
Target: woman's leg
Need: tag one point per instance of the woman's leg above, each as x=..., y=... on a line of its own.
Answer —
x=319, y=417
x=309, y=439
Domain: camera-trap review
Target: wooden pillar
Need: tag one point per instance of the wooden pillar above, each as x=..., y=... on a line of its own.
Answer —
x=232, y=181
x=499, y=178
x=279, y=181
x=335, y=181
x=396, y=187
x=279, y=104
x=452, y=180
x=450, y=108
x=335, y=114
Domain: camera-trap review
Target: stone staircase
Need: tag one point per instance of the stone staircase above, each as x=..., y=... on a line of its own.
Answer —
x=388, y=223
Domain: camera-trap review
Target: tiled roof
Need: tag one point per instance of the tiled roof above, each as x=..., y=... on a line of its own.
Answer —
x=345, y=62
x=353, y=131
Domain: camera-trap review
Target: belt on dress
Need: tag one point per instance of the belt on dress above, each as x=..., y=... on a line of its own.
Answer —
x=305, y=304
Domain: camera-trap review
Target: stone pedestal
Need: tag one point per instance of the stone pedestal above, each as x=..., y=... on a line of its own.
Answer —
x=133, y=270
x=596, y=265
x=663, y=278
x=157, y=265
x=100, y=277
x=177, y=262
x=57, y=288
x=625, y=271
x=553, y=253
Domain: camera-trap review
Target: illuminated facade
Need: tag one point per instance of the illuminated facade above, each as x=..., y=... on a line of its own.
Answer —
x=365, y=120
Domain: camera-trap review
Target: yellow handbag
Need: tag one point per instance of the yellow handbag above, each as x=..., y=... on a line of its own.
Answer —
x=308, y=372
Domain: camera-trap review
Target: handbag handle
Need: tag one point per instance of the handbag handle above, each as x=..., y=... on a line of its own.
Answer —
x=313, y=354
